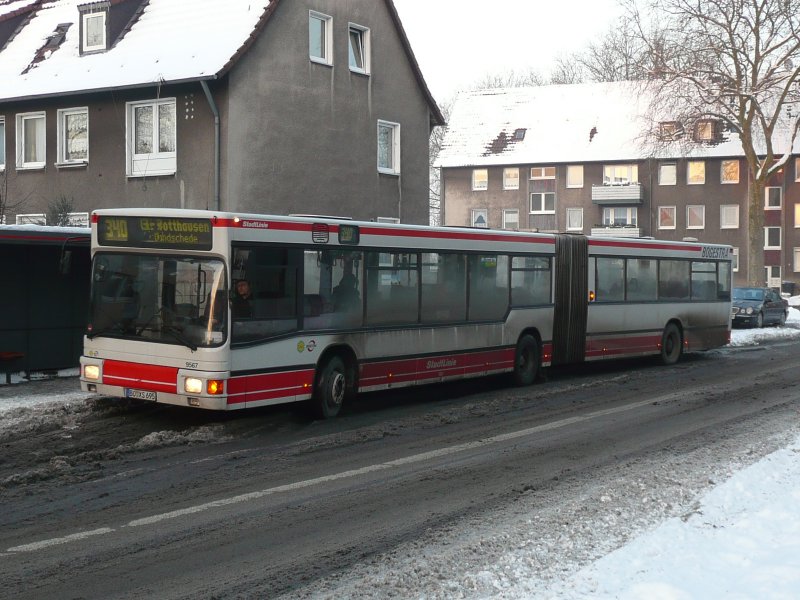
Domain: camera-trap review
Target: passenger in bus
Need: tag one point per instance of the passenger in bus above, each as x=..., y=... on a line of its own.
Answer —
x=345, y=295
x=241, y=304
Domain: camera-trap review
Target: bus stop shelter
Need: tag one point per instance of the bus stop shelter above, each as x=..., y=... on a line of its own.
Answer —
x=44, y=297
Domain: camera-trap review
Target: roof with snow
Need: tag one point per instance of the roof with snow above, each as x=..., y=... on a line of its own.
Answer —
x=159, y=41
x=588, y=122
x=164, y=41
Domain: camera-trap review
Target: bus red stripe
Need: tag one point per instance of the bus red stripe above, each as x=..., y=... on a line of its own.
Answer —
x=422, y=369
x=263, y=386
x=140, y=376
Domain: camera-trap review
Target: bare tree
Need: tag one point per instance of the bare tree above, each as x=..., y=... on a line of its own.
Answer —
x=734, y=63
x=58, y=211
x=434, y=147
x=567, y=70
x=6, y=205
x=509, y=79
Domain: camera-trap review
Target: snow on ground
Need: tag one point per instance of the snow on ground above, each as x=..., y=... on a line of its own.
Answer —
x=742, y=540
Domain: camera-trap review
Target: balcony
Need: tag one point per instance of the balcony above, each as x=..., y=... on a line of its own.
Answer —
x=617, y=194
x=626, y=231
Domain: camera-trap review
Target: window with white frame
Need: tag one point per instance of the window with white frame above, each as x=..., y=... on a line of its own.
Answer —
x=320, y=44
x=388, y=148
x=773, y=197
x=73, y=135
x=31, y=140
x=93, y=26
x=796, y=262
x=2, y=143
x=480, y=217
x=31, y=219
x=666, y=217
x=480, y=179
x=152, y=138
x=543, y=203
x=543, y=172
x=735, y=260
x=667, y=174
x=575, y=176
x=620, y=174
x=729, y=171
x=696, y=172
x=729, y=216
x=696, y=216
x=574, y=219
x=511, y=219
x=358, y=48
x=772, y=238
x=797, y=214
x=797, y=169
x=620, y=216
x=511, y=179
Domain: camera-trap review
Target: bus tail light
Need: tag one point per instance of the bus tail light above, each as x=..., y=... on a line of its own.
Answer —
x=215, y=386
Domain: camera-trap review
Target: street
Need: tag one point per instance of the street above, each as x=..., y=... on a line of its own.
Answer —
x=403, y=493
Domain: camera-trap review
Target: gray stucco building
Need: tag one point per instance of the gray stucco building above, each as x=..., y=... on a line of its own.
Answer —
x=273, y=106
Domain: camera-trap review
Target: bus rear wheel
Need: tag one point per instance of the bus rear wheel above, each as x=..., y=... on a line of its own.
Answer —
x=526, y=360
x=331, y=388
x=671, y=344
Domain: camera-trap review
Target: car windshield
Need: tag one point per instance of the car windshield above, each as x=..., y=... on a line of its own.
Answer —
x=756, y=294
x=165, y=299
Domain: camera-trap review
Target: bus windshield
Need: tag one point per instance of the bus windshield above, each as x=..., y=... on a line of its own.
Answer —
x=165, y=299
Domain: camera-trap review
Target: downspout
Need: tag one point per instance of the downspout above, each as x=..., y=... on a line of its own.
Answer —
x=214, y=110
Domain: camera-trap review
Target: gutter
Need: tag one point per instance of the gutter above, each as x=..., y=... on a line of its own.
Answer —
x=213, y=106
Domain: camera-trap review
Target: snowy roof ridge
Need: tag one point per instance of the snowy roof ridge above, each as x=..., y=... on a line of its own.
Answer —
x=583, y=122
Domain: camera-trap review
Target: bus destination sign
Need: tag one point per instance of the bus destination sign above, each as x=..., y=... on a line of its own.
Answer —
x=155, y=232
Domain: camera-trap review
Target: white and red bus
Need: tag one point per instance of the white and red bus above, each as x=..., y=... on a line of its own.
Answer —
x=338, y=307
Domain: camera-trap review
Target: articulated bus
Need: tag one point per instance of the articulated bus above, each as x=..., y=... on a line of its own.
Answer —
x=336, y=306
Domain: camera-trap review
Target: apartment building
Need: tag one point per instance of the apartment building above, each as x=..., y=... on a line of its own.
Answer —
x=587, y=158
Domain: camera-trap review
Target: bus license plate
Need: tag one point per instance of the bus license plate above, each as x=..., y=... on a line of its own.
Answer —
x=140, y=394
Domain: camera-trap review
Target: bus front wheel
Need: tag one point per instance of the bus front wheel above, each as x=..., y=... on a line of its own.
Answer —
x=671, y=344
x=331, y=388
x=526, y=360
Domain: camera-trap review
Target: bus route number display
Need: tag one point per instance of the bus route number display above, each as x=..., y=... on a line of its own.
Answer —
x=155, y=232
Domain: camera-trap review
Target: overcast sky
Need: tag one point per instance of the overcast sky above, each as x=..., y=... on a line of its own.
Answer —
x=458, y=42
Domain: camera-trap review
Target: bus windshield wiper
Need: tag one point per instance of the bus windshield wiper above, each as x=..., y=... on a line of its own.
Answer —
x=115, y=328
x=178, y=335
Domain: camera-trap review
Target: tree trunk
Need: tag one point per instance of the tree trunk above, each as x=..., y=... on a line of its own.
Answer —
x=755, y=234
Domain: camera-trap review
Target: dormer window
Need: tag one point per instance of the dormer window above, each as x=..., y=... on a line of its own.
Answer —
x=670, y=130
x=94, y=27
x=706, y=130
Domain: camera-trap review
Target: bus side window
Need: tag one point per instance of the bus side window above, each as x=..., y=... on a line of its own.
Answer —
x=610, y=279
x=272, y=276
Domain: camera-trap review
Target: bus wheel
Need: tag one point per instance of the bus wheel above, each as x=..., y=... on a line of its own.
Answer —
x=526, y=360
x=671, y=344
x=331, y=388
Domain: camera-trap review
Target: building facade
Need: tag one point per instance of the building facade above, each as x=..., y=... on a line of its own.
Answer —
x=569, y=171
x=276, y=106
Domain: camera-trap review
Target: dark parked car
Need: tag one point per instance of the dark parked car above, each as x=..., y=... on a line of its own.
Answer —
x=757, y=307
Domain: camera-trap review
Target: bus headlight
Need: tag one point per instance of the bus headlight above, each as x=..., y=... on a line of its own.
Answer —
x=91, y=372
x=193, y=385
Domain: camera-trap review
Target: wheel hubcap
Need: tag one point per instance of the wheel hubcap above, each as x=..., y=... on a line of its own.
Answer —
x=337, y=389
